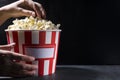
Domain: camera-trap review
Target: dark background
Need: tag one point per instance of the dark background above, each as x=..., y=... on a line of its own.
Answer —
x=90, y=30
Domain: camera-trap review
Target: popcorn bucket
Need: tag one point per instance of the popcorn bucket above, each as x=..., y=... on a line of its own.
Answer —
x=41, y=44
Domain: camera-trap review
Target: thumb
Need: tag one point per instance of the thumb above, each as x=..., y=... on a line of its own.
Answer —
x=7, y=47
x=10, y=45
x=25, y=12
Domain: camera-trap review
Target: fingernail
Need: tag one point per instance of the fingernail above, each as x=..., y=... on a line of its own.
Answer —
x=36, y=67
x=12, y=43
x=33, y=58
x=33, y=14
x=34, y=73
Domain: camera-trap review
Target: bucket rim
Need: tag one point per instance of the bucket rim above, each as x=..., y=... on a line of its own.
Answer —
x=33, y=30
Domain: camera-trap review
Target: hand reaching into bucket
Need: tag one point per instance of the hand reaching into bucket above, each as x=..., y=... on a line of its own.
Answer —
x=13, y=64
x=21, y=8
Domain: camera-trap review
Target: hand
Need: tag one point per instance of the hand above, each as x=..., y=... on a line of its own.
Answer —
x=9, y=65
x=7, y=47
x=21, y=8
x=24, y=8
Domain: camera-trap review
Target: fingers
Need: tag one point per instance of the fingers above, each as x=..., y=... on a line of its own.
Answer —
x=25, y=12
x=11, y=44
x=7, y=47
x=24, y=66
x=25, y=8
x=16, y=56
x=12, y=68
x=40, y=12
x=23, y=69
x=17, y=69
x=36, y=7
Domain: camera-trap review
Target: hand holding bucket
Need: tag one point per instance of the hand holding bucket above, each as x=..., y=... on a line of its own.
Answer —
x=41, y=44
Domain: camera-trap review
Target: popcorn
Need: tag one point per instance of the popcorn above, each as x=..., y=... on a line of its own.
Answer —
x=38, y=38
x=31, y=23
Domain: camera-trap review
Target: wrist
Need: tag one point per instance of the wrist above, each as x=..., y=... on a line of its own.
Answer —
x=3, y=15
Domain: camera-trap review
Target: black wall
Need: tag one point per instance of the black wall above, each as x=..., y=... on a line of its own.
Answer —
x=90, y=30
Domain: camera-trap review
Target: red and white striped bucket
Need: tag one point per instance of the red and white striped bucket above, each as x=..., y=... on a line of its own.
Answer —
x=43, y=45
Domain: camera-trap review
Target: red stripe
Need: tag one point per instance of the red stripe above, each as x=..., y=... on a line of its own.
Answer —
x=56, y=60
x=53, y=37
x=57, y=51
x=42, y=38
x=28, y=37
x=40, y=67
x=15, y=39
x=50, y=66
x=8, y=37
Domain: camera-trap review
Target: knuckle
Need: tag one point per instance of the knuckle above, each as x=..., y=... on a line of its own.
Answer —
x=38, y=4
x=20, y=10
x=20, y=66
x=32, y=73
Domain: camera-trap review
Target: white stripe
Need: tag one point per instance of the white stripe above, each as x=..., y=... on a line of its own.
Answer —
x=21, y=41
x=54, y=60
x=35, y=37
x=48, y=37
x=56, y=37
x=11, y=38
x=46, y=67
x=40, y=52
x=36, y=71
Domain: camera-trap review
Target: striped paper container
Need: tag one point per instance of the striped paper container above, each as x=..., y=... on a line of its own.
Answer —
x=43, y=45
